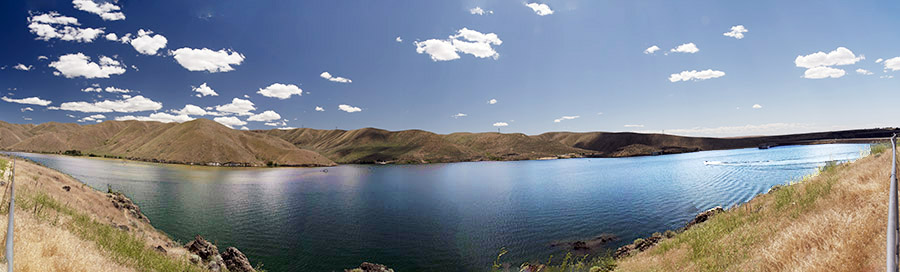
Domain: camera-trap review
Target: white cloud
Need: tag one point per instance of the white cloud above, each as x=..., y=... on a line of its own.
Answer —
x=147, y=44
x=886, y=76
x=840, y=56
x=204, y=90
x=319, y=108
x=265, y=116
x=31, y=101
x=696, y=75
x=92, y=118
x=331, y=78
x=26, y=109
x=22, y=67
x=54, y=26
x=686, y=48
x=466, y=41
x=108, y=11
x=458, y=115
x=565, y=118
x=207, y=60
x=237, y=106
x=862, y=71
x=287, y=128
x=501, y=124
x=244, y=128
x=348, y=108
x=398, y=39
x=230, y=121
x=112, y=37
x=651, y=49
x=128, y=104
x=892, y=64
x=76, y=65
x=194, y=110
x=736, y=32
x=879, y=60
x=280, y=91
x=97, y=89
x=42, y=57
x=480, y=11
x=823, y=72
x=158, y=117
x=540, y=9
x=747, y=130
x=492, y=101
x=634, y=126
x=757, y=106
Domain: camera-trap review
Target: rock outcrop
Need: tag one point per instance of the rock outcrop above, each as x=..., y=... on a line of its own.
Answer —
x=702, y=217
x=645, y=244
x=586, y=245
x=370, y=267
x=122, y=202
x=236, y=261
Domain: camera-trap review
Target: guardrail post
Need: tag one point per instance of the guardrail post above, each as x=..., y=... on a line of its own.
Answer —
x=892, y=223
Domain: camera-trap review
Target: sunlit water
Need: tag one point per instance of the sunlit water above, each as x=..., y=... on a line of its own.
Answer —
x=441, y=217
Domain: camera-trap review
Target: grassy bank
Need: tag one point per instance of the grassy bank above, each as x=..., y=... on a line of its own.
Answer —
x=834, y=221
x=78, y=229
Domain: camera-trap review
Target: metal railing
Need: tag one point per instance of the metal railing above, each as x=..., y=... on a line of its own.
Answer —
x=11, y=224
x=892, y=230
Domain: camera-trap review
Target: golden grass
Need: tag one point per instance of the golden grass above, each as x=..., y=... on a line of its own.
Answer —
x=834, y=221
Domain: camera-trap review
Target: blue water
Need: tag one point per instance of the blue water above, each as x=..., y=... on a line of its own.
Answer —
x=441, y=217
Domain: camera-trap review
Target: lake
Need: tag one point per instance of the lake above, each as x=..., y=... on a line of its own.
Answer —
x=441, y=217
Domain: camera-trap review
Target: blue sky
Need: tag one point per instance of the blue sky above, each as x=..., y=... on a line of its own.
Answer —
x=586, y=61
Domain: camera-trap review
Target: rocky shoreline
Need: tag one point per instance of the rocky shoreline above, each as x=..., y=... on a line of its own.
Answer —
x=643, y=244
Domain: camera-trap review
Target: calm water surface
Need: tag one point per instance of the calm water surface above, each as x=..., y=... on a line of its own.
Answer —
x=441, y=217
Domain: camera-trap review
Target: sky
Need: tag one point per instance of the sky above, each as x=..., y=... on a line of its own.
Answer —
x=698, y=68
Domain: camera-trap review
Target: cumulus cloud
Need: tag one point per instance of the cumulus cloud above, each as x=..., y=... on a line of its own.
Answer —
x=686, y=48
x=651, y=50
x=736, y=32
x=108, y=11
x=230, y=121
x=398, y=39
x=30, y=101
x=207, y=60
x=26, y=109
x=862, y=71
x=540, y=9
x=22, y=67
x=480, y=11
x=92, y=118
x=204, y=90
x=348, y=108
x=757, y=106
x=127, y=104
x=501, y=124
x=331, y=78
x=696, y=75
x=54, y=26
x=194, y=110
x=237, y=106
x=97, y=89
x=265, y=116
x=840, y=56
x=158, y=117
x=565, y=118
x=244, y=128
x=823, y=72
x=319, y=108
x=79, y=65
x=892, y=64
x=466, y=41
x=148, y=44
x=111, y=37
x=492, y=101
x=879, y=60
x=280, y=91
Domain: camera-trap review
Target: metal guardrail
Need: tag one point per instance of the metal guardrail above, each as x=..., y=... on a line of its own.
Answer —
x=11, y=224
x=892, y=230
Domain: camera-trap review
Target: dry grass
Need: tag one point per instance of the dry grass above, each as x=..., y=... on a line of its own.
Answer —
x=831, y=222
x=58, y=230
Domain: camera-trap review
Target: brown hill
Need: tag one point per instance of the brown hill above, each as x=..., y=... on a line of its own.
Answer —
x=200, y=141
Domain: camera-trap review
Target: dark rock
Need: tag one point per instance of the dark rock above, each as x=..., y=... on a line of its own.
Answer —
x=202, y=248
x=587, y=245
x=702, y=217
x=236, y=261
x=67, y=188
x=121, y=202
x=580, y=245
x=370, y=267
x=123, y=227
x=161, y=249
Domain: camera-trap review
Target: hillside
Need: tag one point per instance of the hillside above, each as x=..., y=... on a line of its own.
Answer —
x=200, y=141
